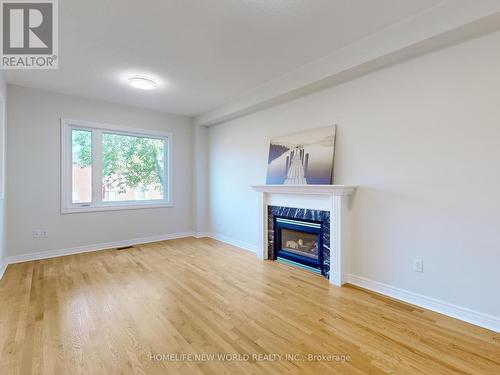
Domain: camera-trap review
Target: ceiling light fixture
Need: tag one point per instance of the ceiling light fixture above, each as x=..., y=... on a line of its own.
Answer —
x=142, y=83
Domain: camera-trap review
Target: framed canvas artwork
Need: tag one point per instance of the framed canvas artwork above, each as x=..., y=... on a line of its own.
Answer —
x=302, y=158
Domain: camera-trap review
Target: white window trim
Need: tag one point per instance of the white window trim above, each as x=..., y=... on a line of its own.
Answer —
x=68, y=207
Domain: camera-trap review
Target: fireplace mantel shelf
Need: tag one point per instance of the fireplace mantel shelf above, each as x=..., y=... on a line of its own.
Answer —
x=306, y=189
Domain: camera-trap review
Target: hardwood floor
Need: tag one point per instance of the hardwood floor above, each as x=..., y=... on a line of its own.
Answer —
x=108, y=312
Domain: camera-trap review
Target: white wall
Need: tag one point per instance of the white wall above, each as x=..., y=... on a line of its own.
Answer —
x=3, y=91
x=422, y=141
x=200, y=179
x=33, y=174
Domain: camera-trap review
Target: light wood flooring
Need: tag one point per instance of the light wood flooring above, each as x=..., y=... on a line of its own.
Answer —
x=108, y=312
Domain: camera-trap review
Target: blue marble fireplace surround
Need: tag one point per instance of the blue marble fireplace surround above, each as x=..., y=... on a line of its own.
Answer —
x=303, y=214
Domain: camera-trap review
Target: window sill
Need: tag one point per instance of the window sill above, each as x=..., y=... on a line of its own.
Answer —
x=114, y=207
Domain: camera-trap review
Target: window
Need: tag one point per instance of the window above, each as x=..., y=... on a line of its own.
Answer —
x=108, y=168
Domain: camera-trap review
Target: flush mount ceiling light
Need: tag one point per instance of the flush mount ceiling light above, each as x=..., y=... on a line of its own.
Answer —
x=142, y=83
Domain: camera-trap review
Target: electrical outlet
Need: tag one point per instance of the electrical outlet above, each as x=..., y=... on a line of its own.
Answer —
x=40, y=233
x=418, y=265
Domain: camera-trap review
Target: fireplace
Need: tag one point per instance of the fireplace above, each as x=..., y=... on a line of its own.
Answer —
x=300, y=237
x=298, y=242
x=327, y=205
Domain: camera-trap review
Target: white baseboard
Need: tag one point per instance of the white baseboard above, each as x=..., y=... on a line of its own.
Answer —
x=458, y=312
x=3, y=267
x=93, y=247
x=202, y=234
x=231, y=241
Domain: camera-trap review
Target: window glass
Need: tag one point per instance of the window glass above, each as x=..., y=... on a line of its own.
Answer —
x=133, y=168
x=81, y=166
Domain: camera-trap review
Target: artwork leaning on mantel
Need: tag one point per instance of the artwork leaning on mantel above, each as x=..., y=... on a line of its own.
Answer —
x=302, y=158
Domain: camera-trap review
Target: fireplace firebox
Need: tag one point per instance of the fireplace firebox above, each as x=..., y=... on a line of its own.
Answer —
x=300, y=242
x=300, y=237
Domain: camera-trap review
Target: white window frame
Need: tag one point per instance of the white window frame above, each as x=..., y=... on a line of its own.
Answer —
x=67, y=205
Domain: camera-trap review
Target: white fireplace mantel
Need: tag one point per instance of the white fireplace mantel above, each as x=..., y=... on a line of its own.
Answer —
x=306, y=189
x=332, y=198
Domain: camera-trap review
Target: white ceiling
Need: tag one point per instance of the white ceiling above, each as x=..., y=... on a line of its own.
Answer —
x=205, y=52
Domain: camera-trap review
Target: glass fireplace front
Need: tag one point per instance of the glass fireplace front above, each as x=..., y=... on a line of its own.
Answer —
x=298, y=241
